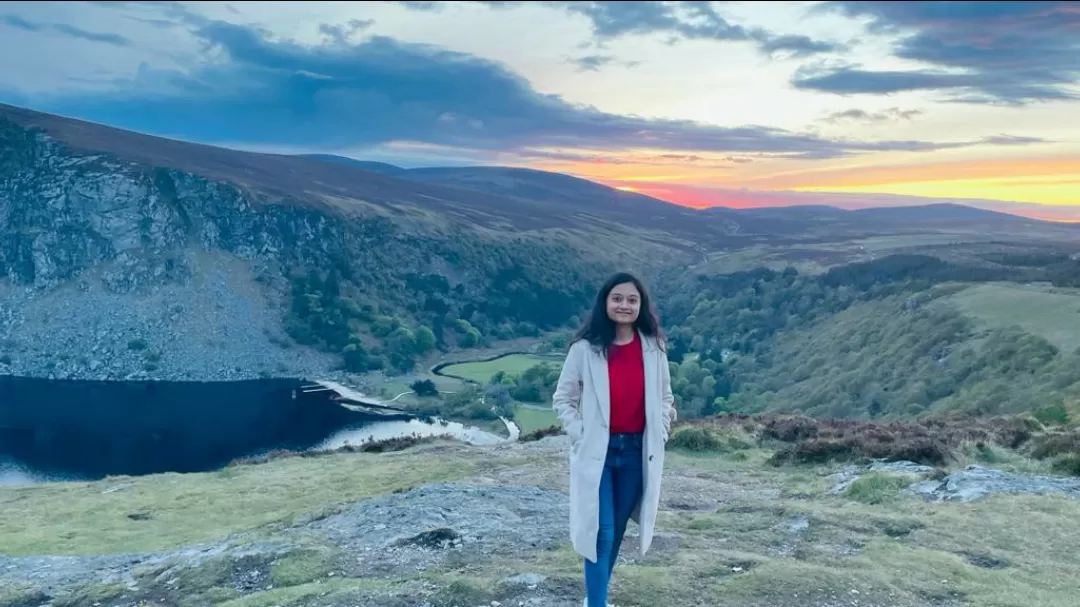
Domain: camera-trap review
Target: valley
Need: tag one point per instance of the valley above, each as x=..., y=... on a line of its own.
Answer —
x=832, y=369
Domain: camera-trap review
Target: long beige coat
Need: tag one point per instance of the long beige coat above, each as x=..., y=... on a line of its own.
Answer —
x=582, y=401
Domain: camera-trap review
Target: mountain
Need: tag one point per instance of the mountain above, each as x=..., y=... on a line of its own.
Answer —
x=374, y=167
x=803, y=221
x=129, y=255
x=125, y=255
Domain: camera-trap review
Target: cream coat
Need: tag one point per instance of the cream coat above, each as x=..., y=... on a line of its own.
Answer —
x=582, y=401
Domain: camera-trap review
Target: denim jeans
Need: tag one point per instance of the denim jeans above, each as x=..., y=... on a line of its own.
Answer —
x=620, y=489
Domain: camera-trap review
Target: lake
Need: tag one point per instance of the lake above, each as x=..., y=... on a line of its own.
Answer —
x=83, y=429
x=16, y=474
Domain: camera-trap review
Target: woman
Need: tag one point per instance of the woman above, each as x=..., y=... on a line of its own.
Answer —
x=615, y=402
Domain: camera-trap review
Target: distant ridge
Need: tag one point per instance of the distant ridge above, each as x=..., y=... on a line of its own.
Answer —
x=505, y=197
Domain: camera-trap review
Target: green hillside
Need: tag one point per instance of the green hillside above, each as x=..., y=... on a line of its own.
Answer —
x=899, y=337
x=902, y=336
x=1050, y=312
x=887, y=359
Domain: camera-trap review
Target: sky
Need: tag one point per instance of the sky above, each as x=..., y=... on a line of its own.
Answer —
x=736, y=104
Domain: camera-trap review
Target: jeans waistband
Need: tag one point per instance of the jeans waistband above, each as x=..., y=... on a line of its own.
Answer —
x=629, y=440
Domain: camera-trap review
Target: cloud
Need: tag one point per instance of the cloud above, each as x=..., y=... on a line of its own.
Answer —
x=893, y=114
x=62, y=28
x=20, y=23
x=582, y=157
x=1007, y=53
x=342, y=94
x=593, y=63
x=341, y=34
x=683, y=20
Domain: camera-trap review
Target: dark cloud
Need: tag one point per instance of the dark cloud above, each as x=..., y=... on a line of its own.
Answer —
x=20, y=23
x=75, y=32
x=796, y=45
x=982, y=52
x=685, y=20
x=857, y=115
x=1012, y=140
x=592, y=63
x=62, y=28
x=340, y=94
x=421, y=6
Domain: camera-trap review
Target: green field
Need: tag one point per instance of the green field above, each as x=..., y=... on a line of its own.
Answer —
x=481, y=372
x=1053, y=314
x=530, y=418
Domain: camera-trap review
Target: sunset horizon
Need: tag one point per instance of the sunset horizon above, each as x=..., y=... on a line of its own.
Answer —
x=701, y=104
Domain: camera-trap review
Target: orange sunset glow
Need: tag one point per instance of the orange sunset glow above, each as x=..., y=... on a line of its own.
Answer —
x=737, y=104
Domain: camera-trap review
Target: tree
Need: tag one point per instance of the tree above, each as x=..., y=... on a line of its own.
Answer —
x=424, y=387
x=425, y=340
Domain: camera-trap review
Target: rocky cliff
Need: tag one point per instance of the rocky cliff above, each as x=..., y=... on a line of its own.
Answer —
x=120, y=265
x=115, y=270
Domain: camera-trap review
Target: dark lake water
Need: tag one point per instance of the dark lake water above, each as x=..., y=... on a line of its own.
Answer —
x=56, y=430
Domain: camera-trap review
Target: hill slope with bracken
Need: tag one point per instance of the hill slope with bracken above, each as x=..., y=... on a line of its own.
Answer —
x=161, y=258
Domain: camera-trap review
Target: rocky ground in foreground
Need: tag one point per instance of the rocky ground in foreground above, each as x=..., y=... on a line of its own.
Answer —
x=445, y=524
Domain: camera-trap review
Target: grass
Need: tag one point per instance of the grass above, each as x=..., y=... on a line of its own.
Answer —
x=1053, y=314
x=481, y=371
x=776, y=535
x=78, y=518
x=876, y=488
x=531, y=418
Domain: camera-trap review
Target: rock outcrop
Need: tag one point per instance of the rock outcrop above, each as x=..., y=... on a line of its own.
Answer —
x=113, y=270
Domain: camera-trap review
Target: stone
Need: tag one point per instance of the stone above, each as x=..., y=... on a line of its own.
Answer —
x=977, y=482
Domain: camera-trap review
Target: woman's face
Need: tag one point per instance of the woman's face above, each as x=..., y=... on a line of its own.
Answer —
x=624, y=304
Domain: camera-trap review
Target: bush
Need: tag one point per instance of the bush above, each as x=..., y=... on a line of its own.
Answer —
x=1069, y=464
x=790, y=429
x=703, y=440
x=1052, y=415
x=814, y=451
x=1055, y=444
x=536, y=435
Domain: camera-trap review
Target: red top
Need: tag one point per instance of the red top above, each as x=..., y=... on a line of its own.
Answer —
x=626, y=377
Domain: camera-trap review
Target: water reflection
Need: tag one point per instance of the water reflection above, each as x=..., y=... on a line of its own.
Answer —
x=14, y=474
x=394, y=429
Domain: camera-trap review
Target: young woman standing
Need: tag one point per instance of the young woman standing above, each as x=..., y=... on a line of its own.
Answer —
x=615, y=402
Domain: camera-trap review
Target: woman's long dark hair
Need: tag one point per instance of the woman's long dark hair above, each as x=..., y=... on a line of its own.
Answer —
x=599, y=330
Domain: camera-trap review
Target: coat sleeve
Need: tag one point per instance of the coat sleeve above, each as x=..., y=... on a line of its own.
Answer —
x=668, y=399
x=567, y=397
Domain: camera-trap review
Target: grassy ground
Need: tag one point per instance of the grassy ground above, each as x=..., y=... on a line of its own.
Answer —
x=481, y=372
x=734, y=530
x=1053, y=314
x=532, y=417
x=179, y=509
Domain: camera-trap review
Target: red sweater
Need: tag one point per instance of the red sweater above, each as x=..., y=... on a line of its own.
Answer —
x=626, y=378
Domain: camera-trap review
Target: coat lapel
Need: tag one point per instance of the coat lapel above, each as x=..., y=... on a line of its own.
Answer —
x=599, y=370
x=651, y=377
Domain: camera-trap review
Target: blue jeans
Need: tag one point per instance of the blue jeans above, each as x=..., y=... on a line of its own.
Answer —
x=620, y=489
